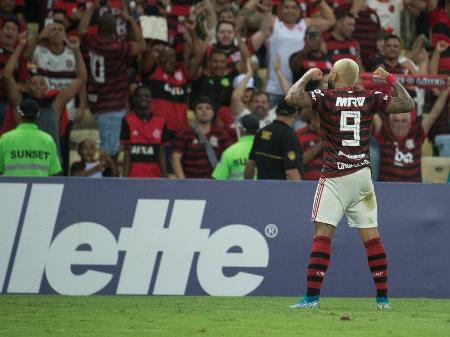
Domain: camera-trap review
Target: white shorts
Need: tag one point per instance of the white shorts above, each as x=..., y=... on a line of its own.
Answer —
x=352, y=194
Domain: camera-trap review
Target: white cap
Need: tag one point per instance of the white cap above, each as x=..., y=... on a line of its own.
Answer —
x=239, y=78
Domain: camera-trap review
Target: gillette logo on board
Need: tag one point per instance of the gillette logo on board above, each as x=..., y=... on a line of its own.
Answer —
x=152, y=252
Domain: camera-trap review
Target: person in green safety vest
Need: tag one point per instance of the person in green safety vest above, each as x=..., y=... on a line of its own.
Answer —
x=232, y=163
x=27, y=151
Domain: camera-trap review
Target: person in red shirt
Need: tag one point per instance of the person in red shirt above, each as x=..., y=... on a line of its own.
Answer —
x=107, y=85
x=346, y=187
x=143, y=136
x=311, y=145
x=401, y=140
x=8, y=39
x=191, y=157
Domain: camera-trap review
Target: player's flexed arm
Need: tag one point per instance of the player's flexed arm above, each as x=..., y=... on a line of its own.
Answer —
x=296, y=95
x=401, y=100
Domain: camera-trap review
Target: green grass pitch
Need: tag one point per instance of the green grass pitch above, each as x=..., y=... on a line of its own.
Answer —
x=173, y=316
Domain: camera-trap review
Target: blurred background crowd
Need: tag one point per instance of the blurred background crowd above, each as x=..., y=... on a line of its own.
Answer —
x=159, y=88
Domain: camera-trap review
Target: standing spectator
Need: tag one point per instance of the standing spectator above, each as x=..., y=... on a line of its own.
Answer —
x=56, y=62
x=389, y=12
x=275, y=153
x=346, y=186
x=285, y=35
x=27, y=151
x=232, y=163
x=367, y=27
x=229, y=40
x=90, y=167
x=107, y=85
x=197, y=149
x=52, y=104
x=143, y=136
x=14, y=10
x=168, y=85
x=439, y=17
x=311, y=146
x=9, y=34
x=215, y=83
x=259, y=104
x=312, y=56
x=401, y=142
x=340, y=43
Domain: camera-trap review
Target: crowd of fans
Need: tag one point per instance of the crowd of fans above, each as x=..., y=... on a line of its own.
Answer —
x=174, y=106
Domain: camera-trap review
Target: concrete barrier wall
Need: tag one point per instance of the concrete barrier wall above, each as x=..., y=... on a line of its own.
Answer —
x=121, y=236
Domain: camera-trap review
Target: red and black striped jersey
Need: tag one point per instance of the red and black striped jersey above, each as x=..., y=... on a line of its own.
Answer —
x=20, y=74
x=342, y=49
x=440, y=31
x=400, y=159
x=442, y=124
x=169, y=96
x=195, y=160
x=367, y=27
x=307, y=138
x=107, y=65
x=346, y=123
x=145, y=139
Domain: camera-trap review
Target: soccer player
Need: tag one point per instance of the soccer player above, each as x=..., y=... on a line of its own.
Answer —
x=345, y=186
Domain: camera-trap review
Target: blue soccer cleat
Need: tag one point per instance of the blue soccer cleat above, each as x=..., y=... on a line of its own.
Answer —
x=307, y=302
x=383, y=303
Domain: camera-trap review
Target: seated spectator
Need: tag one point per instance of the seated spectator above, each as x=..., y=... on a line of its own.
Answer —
x=197, y=148
x=341, y=43
x=311, y=145
x=89, y=166
x=143, y=136
x=27, y=151
x=312, y=56
x=52, y=104
x=232, y=162
x=401, y=140
x=9, y=35
x=107, y=85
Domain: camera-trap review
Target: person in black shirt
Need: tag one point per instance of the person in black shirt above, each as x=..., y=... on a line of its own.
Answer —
x=276, y=153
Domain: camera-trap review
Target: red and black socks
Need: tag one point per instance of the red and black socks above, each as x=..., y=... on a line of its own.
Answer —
x=376, y=257
x=318, y=264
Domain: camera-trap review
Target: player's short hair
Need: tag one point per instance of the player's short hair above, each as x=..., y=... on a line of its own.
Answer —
x=348, y=71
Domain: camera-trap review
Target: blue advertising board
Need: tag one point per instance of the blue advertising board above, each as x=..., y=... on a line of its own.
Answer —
x=194, y=237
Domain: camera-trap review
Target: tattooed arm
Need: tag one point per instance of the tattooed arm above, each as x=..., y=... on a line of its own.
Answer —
x=401, y=100
x=296, y=95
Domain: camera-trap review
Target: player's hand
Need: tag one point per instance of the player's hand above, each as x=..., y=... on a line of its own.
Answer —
x=380, y=74
x=315, y=74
